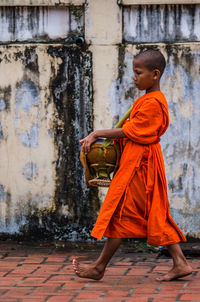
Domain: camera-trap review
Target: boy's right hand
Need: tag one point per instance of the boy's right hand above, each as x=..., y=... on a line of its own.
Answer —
x=87, y=142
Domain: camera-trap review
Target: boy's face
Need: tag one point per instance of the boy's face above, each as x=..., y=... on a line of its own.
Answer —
x=143, y=78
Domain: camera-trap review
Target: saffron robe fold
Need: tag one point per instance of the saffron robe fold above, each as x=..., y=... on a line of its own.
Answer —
x=136, y=204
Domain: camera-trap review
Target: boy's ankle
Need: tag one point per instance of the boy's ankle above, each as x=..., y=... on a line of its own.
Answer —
x=100, y=267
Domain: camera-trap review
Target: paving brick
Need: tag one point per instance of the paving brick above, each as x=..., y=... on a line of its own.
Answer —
x=116, y=299
x=122, y=263
x=60, y=299
x=45, y=289
x=117, y=293
x=116, y=271
x=190, y=297
x=129, y=299
x=164, y=300
x=89, y=295
x=13, y=259
x=28, y=268
x=79, y=257
x=66, y=269
x=33, y=260
x=68, y=285
x=129, y=279
x=146, y=263
x=160, y=268
x=17, y=292
x=4, y=282
x=144, y=290
x=35, y=299
x=31, y=282
x=138, y=271
x=55, y=259
x=58, y=277
x=6, y=299
x=193, y=286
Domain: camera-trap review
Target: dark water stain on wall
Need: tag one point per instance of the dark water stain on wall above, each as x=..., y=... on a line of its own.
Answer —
x=5, y=95
x=177, y=186
x=72, y=94
x=76, y=204
x=5, y=196
x=8, y=208
x=1, y=132
x=30, y=59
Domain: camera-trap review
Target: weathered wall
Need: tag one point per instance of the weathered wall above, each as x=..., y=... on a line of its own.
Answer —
x=177, y=27
x=53, y=92
x=181, y=143
x=45, y=109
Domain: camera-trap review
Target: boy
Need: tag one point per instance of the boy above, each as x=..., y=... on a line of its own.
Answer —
x=136, y=205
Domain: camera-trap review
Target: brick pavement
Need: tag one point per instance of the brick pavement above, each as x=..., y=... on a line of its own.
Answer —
x=40, y=273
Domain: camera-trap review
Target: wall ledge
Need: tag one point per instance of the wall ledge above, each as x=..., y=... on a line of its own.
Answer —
x=152, y=2
x=81, y=2
x=41, y=2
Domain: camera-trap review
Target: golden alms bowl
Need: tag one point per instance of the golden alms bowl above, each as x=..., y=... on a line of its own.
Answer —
x=100, y=163
x=103, y=159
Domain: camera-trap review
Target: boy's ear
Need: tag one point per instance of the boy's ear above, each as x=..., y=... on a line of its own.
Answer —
x=156, y=74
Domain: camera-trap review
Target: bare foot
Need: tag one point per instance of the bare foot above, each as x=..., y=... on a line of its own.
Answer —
x=87, y=270
x=176, y=272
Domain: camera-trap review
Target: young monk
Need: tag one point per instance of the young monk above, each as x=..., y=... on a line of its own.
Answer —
x=136, y=205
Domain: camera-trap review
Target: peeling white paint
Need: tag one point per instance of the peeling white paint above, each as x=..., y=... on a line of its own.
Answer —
x=30, y=139
x=161, y=23
x=26, y=165
x=2, y=104
x=26, y=96
x=186, y=109
x=38, y=23
x=30, y=170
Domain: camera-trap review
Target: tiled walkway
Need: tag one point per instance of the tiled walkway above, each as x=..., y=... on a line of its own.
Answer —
x=31, y=273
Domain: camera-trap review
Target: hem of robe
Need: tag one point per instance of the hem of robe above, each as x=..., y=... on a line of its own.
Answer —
x=139, y=230
x=124, y=228
x=150, y=243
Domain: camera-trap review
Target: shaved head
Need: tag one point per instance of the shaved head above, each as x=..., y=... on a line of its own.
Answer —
x=153, y=59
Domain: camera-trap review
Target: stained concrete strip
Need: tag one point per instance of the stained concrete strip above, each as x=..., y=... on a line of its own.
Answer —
x=147, y=2
x=40, y=2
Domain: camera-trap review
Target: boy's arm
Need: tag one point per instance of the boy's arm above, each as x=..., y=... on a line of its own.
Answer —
x=92, y=137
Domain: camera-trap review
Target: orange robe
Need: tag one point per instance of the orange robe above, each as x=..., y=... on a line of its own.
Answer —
x=136, y=205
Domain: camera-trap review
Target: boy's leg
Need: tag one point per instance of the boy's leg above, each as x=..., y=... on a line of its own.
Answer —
x=181, y=267
x=96, y=270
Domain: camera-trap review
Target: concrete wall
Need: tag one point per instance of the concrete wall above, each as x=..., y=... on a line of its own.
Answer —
x=53, y=92
x=46, y=107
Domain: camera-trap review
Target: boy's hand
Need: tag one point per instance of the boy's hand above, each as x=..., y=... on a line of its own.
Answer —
x=87, y=142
